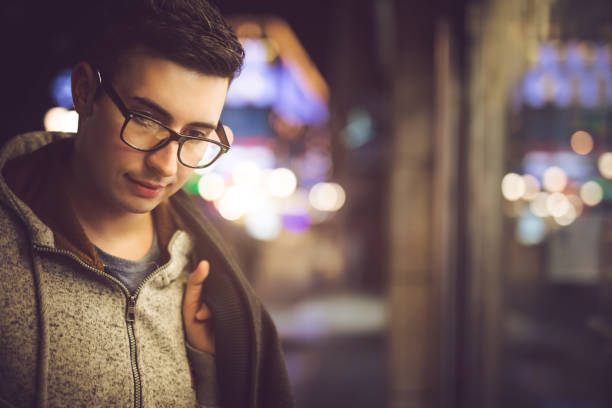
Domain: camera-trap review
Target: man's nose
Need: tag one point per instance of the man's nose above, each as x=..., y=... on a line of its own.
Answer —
x=164, y=160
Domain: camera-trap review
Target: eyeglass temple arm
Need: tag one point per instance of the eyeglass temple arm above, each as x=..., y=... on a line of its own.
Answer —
x=111, y=93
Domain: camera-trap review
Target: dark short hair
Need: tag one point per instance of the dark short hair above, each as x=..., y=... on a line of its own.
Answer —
x=191, y=33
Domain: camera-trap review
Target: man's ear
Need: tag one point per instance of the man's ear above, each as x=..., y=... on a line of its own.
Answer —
x=84, y=83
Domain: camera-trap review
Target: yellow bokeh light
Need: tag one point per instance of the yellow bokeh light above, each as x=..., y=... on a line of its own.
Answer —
x=281, y=182
x=211, y=186
x=532, y=187
x=591, y=193
x=582, y=142
x=512, y=186
x=554, y=179
x=604, y=164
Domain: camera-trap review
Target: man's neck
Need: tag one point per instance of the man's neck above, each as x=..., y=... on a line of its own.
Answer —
x=127, y=236
x=118, y=232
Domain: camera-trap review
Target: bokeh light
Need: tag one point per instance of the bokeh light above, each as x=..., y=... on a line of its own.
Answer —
x=568, y=217
x=582, y=142
x=577, y=203
x=296, y=219
x=532, y=187
x=327, y=196
x=530, y=230
x=247, y=172
x=591, y=193
x=281, y=182
x=60, y=119
x=604, y=164
x=211, y=186
x=538, y=205
x=557, y=204
x=234, y=203
x=554, y=179
x=264, y=224
x=513, y=186
x=61, y=89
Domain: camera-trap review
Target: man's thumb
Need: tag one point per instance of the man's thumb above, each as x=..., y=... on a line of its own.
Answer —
x=194, y=286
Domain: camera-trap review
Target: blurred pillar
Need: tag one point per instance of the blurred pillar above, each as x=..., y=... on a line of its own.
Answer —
x=411, y=91
x=502, y=34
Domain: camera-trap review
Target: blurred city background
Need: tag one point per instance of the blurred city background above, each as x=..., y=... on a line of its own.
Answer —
x=420, y=192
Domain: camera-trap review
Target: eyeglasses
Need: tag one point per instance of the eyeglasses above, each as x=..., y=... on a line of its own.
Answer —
x=146, y=134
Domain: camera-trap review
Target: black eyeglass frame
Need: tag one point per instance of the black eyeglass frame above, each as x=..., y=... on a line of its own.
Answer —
x=174, y=136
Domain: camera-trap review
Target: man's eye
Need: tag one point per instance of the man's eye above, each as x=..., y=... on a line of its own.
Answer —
x=195, y=133
x=142, y=121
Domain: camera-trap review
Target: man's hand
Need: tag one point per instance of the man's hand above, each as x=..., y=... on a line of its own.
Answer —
x=196, y=315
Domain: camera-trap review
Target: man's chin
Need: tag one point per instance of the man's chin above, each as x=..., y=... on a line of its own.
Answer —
x=140, y=206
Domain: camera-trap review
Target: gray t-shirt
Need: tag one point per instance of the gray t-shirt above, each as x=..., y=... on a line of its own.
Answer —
x=131, y=273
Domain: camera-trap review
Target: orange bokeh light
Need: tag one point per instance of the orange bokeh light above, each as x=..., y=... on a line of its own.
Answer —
x=582, y=142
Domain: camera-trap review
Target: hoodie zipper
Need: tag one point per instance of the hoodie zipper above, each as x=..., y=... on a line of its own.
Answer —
x=130, y=311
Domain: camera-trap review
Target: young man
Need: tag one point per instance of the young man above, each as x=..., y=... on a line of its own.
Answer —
x=114, y=290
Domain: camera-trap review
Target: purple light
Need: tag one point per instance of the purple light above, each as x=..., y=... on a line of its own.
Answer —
x=296, y=221
x=61, y=89
x=548, y=56
x=588, y=90
x=575, y=59
x=294, y=103
x=274, y=84
x=533, y=88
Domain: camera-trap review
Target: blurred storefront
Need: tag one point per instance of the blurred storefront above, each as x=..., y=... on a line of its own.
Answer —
x=533, y=242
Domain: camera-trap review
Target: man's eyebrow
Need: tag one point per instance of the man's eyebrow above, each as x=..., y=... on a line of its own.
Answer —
x=152, y=105
x=166, y=115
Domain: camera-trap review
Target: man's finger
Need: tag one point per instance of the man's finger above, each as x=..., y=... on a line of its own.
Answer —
x=203, y=313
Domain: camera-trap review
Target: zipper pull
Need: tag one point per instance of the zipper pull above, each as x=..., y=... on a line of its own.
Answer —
x=131, y=310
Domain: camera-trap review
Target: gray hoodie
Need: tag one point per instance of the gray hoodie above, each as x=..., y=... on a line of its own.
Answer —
x=72, y=335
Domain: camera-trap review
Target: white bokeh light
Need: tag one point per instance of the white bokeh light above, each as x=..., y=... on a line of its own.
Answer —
x=576, y=203
x=557, y=204
x=281, y=182
x=568, y=217
x=554, y=179
x=538, y=205
x=211, y=186
x=264, y=224
x=247, y=172
x=591, y=193
x=532, y=187
x=234, y=203
x=513, y=186
x=604, y=164
x=60, y=119
x=327, y=196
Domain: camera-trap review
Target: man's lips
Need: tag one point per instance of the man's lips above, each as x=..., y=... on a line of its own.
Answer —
x=146, y=184
x=146, y=187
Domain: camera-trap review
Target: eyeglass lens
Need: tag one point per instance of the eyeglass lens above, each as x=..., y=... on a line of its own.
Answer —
x=145, y=134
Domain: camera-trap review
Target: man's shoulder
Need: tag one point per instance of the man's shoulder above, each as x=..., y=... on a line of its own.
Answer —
x=12, y=228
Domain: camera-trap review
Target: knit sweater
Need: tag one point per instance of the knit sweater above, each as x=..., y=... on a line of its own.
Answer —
x=71, y=335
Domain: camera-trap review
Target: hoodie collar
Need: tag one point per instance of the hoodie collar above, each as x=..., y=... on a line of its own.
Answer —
x=37, y=179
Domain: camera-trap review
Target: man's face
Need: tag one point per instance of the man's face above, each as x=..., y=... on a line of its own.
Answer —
x=128, y=180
